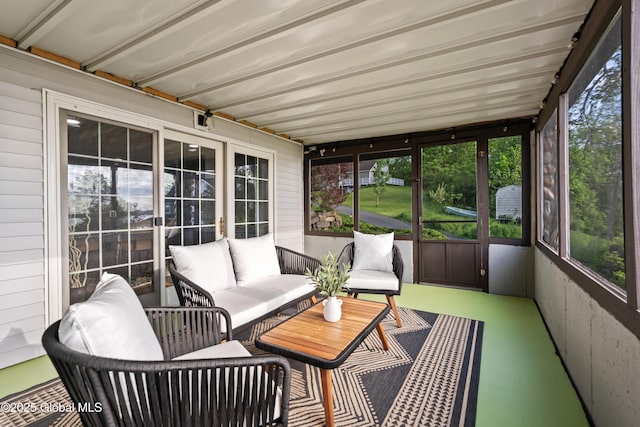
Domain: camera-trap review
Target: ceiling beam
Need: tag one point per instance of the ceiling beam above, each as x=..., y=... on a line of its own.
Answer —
x=362, y=131
x=409, y=127
x=46, y=21
x=186, y=18
x=439, y=108
x=259, y=37
x=477, y=66
x=537, y=73
x=394, y=62
x=378, y=36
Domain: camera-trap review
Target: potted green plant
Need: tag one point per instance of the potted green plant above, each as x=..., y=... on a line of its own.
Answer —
x=329, y=279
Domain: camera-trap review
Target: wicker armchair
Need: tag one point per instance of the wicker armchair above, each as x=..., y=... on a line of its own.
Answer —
x=242, y=391
x=291, y=262
x=346, y=256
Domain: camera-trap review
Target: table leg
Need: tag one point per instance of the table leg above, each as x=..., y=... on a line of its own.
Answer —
x=327, y=396
x=383, y=337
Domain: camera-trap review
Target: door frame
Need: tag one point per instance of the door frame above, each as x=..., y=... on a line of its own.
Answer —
x=482, y=209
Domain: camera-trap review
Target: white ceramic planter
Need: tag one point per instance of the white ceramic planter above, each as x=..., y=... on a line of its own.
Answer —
x=332, y=309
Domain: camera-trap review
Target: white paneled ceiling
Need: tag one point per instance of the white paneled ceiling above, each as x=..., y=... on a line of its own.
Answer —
x=319, y=70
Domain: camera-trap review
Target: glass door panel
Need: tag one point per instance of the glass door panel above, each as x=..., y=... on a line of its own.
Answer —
x=449, y=249
x=192, y=183
x=110, y=206
x=449, y=192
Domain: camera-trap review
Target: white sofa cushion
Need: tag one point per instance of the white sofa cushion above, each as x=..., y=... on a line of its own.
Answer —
x=372, y=279
x=254, y=259
x=208, y=265
x=373, y=251
x=111, y=323
x=226, y=349
x=247, y=303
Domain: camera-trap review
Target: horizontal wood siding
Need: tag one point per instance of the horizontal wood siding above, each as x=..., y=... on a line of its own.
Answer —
x=22, y=227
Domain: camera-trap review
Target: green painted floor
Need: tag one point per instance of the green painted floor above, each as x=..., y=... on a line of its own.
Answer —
x=522, y=381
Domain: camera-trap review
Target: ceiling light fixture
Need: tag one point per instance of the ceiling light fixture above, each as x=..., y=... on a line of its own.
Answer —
x=574, y=40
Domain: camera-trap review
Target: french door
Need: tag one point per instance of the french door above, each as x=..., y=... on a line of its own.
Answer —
x=452, y=242
x=130, y=194
x=110, y=205
x=192, y=191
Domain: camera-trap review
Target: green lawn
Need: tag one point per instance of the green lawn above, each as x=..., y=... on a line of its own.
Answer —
x=395, y=202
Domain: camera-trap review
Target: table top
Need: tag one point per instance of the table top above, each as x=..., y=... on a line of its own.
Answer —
x=309, y=338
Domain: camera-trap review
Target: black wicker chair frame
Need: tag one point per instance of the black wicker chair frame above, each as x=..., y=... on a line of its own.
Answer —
x=291, y=262
x=346, y=256
x=214, y=392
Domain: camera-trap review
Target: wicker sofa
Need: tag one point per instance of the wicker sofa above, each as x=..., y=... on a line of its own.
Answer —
x=252, y=279
x=125, y=365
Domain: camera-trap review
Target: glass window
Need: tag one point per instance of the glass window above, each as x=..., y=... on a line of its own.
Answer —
x=331, y=196
x=251, y=188
x=189, y=193
x=596, y=234
x=385, y=195
x=549, y=149
x=505, y=187
x=449, y=206
x=110, y=205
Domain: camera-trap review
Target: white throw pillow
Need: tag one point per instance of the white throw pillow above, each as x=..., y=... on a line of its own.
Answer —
x=254, y=258
x=207, y=265
x=373, y=251
x=111, y=323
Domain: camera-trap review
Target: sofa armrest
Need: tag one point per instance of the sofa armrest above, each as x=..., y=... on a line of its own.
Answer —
x=398, y=266
x=346, y=255
x=292, y=262
x=251, y=391
x=182, y=330
x=238, y=391
x=189, y=294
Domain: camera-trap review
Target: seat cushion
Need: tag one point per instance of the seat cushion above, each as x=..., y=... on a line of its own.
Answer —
x=111, y=323
x=226, y=349
x=247, y=303
x=372, y=251
x=254, y=258
x=207, y=265
x=373, y=280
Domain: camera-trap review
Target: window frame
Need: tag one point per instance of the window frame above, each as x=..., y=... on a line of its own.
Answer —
x=236, y=147
x=624, y=309
x=399, y=145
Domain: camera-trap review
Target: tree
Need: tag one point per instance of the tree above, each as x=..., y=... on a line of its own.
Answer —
x=327, y=192
x=595, y=164
x=400, y=167
x=380, y=178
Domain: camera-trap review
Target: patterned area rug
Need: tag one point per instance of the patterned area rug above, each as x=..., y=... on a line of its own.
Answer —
x=429, y=377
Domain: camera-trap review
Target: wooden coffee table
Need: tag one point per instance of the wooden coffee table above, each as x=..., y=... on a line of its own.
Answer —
x=309, y=338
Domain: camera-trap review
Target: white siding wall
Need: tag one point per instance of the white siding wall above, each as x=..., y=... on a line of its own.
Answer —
x=23, y=283
x=22, y=260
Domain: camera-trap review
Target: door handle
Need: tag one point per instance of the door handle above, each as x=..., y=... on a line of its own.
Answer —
x=221, y=226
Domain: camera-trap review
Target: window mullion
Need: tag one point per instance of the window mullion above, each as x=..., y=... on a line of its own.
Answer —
x=631, y=146
x=563, y=175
